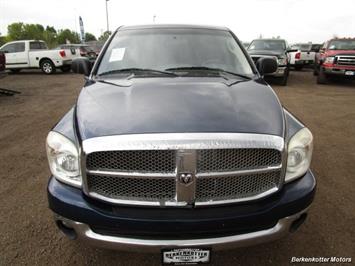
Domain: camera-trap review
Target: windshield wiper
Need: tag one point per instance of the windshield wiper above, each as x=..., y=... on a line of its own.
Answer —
x=203, y=68
x=135, y=70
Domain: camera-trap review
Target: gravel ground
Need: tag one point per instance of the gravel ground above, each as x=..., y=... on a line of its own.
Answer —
x=27, y=232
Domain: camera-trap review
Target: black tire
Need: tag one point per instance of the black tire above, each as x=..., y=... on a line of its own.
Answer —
x=315, y=70
x=47, y=67
x=65, y=69
x=283, y=80
x=15, y=70
x=299, y=67
x=322, y=77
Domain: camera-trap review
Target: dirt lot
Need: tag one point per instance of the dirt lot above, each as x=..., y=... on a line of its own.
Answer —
x=27, y=232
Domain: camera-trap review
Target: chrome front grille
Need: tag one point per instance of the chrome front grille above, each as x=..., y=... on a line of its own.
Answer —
x=231, y=168
x=227, y=160
x=345, y=60
x=147, y=161
x=236, y=187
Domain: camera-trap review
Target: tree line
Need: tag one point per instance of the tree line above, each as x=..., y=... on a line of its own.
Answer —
x=21, y=31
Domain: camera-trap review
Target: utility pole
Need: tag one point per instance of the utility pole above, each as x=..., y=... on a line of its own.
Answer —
x=154, y=18
x=107, y=15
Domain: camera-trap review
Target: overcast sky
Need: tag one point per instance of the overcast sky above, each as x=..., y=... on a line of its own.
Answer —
x=294, y=20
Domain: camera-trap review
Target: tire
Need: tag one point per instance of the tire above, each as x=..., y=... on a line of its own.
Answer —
x=47, y=67
x=65, y=69
x=15, y=70
x=315, y=70
x=283, y=80
x=298, y=67
x=322, y=77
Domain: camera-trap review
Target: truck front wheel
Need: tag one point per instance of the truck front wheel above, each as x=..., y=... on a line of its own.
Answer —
x=315, y=70
x=47, y=67
x=283, y=80
x=322, y=77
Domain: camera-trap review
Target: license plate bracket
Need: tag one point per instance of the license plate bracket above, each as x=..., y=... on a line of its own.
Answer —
x=186, y=256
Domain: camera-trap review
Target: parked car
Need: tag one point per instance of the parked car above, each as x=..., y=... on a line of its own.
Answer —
x=2, y=64
x=96, y=46
x=302, y=55
x=80, y=49
x=336, y=58
x=177, y=145
x=34, y=54
x=272, y=48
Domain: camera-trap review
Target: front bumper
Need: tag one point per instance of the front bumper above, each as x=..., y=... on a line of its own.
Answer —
x=280, y=72
x=338, y=70
x=152, y=229
x=83, y=232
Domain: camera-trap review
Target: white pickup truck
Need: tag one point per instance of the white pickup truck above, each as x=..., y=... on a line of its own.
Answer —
x=35, y=54
x=302, y=56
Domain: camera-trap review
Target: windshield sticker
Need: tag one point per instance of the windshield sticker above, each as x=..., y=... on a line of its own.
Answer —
x=117, y=54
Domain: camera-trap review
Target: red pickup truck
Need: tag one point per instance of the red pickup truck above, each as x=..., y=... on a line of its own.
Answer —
x=335, y=58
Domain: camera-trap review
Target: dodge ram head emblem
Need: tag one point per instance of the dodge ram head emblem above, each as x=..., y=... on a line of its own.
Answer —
x=185, y=178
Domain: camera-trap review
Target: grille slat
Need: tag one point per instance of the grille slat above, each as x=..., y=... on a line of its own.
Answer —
x=235, y=187
x=150, y=161
x=226, y=160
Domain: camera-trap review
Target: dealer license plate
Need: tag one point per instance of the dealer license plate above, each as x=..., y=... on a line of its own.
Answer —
x=186, y=256
x=349, y=73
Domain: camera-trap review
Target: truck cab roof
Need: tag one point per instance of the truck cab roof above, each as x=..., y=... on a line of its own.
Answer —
x=173, y=26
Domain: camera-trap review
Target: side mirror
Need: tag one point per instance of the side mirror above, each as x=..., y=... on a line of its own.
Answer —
x=322, y=50
x=266, y=65
x=5, y=52
x=81, y=65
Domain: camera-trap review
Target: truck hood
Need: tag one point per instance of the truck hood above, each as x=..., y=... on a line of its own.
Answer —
x=178, y=105
x=266, y=52
x=340, y=52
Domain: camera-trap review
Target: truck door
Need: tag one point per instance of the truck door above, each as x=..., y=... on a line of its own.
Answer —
x=21, y=54
x=34, y=52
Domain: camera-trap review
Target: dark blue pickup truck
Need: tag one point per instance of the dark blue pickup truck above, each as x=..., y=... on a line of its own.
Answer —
x=177, y=145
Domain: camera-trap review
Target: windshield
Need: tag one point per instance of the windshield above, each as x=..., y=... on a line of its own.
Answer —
x=342, y=45
x=162, y=49
x=272, y=45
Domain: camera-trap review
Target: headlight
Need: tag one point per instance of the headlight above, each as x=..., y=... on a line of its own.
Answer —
x=300, y=148
x=282, y=61
x=329, y=60
x=63, y=158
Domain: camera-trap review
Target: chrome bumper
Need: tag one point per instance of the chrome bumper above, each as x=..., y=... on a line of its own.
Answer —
x=338, y=71
x=83, y=232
